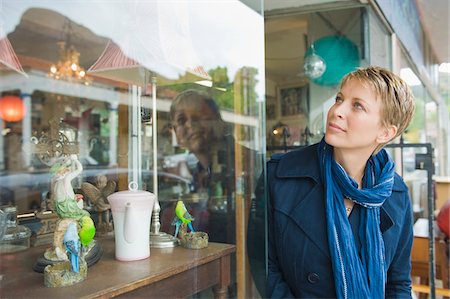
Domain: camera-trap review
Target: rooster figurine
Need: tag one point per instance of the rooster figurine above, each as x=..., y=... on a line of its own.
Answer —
x=97, y=195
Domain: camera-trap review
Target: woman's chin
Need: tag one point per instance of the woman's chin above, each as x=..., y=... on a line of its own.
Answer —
x=330, y=138
x=198, y=147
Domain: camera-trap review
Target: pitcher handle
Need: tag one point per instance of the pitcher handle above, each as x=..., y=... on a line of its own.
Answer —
x=129, y=227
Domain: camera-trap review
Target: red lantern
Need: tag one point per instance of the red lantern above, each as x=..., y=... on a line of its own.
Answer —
x=12, y=108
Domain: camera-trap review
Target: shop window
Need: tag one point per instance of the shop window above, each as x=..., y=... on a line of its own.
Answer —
x=166, y=98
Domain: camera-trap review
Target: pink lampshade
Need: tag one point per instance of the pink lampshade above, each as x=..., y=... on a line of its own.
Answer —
x=115, y=65
x=8, y=58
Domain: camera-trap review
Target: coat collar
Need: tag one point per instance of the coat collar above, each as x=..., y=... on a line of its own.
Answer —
x=300, y=163
x=304, y=163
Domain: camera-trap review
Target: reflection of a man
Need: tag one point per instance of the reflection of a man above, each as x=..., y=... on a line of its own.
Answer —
x=199, y=128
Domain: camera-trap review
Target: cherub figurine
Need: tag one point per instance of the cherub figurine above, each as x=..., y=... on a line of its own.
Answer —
x=97, y=195
x=68, y=206
x=66, y=203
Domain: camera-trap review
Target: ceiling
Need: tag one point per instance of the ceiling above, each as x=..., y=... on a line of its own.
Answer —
x=435, y=17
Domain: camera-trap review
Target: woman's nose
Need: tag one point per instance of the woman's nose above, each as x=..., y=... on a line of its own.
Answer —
x=188, y=123
x=340, y=110
x=192, y=123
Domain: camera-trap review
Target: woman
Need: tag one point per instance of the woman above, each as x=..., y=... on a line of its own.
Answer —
x=200, y=129
x=340, y=219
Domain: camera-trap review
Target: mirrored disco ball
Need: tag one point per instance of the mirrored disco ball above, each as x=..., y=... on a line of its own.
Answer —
x=314, y=66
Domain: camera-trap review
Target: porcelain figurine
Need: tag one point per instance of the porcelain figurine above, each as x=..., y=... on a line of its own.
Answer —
x=97, y=196
x=75, y=230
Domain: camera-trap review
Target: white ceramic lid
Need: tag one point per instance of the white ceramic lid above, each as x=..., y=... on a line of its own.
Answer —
x=132, y=193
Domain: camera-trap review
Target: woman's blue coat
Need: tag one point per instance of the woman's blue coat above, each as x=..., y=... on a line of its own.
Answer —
x=299, y=260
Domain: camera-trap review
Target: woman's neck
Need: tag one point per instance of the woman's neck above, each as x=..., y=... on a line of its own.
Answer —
x=204, y=159
x=206, y=156
x=353, y=162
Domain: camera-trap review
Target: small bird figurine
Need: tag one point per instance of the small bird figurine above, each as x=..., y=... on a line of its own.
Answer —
x=87, y=230
x=182, y=216
x=73, y=246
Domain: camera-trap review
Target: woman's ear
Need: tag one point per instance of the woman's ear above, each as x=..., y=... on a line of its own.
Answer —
x=387, y=133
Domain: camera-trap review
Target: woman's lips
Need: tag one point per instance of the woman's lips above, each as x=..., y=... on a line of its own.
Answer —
x=194, y=136
x=335, y=127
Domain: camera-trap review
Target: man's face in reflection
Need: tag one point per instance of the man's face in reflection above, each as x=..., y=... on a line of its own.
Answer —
x=194, y=124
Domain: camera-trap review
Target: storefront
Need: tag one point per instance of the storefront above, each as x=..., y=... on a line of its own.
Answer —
x=188, y=99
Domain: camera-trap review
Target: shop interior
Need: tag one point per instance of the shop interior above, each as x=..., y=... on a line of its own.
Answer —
x=290, y=41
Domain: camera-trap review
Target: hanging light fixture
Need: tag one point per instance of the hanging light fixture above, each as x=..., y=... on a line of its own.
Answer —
x=314, y=65
x=12, y=108
x=68, y=66
x=341, y=56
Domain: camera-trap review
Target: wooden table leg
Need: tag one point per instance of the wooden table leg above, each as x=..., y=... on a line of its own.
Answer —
x=221, y=289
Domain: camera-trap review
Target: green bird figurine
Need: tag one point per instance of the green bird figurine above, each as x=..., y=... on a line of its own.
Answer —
x=87, y=230
x=182, y=216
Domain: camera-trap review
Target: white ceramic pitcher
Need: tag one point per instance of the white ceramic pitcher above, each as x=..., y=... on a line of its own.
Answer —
x=132, y=211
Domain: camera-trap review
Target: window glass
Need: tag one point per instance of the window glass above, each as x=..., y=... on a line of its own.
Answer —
x=380, y=51
x=416, y=133
x=444, y=112
x=166, y=94
x=298, y=99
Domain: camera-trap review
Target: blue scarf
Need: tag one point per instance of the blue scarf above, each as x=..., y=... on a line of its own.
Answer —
x=356, y=276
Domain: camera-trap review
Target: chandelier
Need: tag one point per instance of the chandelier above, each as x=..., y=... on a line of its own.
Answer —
x=68, y=66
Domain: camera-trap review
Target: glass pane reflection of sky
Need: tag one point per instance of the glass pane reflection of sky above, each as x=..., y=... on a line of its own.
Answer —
x=167, y=37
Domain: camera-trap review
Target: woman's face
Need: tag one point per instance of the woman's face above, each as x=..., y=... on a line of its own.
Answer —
x=194, y=126
x=354, y=121
x=63, y=171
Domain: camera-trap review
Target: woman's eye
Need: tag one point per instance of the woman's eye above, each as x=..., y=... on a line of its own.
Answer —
x=358, y=106
x=338, y=99
x=181, y=121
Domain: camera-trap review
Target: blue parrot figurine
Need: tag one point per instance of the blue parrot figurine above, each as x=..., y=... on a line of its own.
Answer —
x=182, y=216
x=73, y=246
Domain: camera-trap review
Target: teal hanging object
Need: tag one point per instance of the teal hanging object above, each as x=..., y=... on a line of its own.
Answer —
x=340, y=55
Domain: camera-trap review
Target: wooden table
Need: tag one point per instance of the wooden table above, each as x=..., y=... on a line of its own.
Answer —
x=420, y=260
x=167, y=273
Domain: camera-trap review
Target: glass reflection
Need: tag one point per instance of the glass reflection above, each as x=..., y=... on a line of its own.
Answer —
x=200, y=129
x=213, y=172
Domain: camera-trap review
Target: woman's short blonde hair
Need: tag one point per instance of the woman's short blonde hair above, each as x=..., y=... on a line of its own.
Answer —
x=396, y=96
